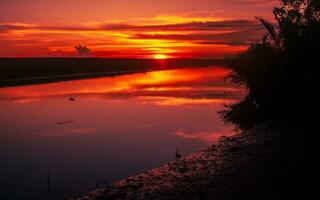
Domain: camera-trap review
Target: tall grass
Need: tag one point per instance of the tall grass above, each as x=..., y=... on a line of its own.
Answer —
x=279, y=72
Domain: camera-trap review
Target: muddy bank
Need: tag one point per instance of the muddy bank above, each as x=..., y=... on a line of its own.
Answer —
x=263, y=163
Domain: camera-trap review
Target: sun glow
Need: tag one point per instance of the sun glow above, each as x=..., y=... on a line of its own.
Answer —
x=160, y=56
x=157, y=37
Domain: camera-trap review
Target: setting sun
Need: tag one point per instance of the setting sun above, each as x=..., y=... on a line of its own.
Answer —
x=160, y=96
x=160, y=56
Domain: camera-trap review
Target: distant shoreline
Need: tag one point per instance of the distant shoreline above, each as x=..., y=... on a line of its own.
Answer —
x=28, y=71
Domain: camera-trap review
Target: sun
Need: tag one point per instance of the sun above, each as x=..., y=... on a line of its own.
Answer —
x=160, y=56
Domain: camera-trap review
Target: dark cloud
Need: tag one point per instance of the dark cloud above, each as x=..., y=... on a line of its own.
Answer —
x=9, y=27
x=243, y=37
x=210, y=25
x=253, y=2
x=228, y=32
x=13, y=27
x=243, y=32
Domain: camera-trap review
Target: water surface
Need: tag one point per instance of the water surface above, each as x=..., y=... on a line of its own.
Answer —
x=116, y=127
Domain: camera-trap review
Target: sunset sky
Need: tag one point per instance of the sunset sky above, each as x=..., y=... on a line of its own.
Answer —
x=130, y=28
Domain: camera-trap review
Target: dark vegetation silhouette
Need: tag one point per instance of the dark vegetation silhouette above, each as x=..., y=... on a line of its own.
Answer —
x=279, y=72
x=82, y=50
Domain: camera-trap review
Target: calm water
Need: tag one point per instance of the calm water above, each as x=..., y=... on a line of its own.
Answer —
x=116, y=127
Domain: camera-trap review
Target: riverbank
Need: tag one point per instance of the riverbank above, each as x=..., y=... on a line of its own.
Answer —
x=263, y=163
x=25, y=71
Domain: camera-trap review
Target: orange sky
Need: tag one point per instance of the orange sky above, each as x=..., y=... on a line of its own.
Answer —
x=128, y=28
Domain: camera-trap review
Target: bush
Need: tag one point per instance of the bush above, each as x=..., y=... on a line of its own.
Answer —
x=280, y=71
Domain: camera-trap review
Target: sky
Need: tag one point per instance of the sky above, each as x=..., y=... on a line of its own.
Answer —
x=130, y=28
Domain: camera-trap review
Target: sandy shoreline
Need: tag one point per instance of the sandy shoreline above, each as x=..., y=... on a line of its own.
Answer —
x=226, y=169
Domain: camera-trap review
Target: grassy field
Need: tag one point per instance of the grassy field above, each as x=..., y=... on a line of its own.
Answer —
x=23, y=71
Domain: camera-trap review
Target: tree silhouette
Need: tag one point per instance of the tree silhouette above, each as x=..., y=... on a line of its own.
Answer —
x=280, y=71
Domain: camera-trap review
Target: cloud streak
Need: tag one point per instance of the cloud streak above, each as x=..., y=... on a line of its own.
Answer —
x=190, y=26
x=173, y=35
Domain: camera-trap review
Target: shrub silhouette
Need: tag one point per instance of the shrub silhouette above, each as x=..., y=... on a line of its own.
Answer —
x=280, y=71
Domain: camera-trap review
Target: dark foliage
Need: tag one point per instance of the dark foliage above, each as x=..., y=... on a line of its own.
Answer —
x=279, y=72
